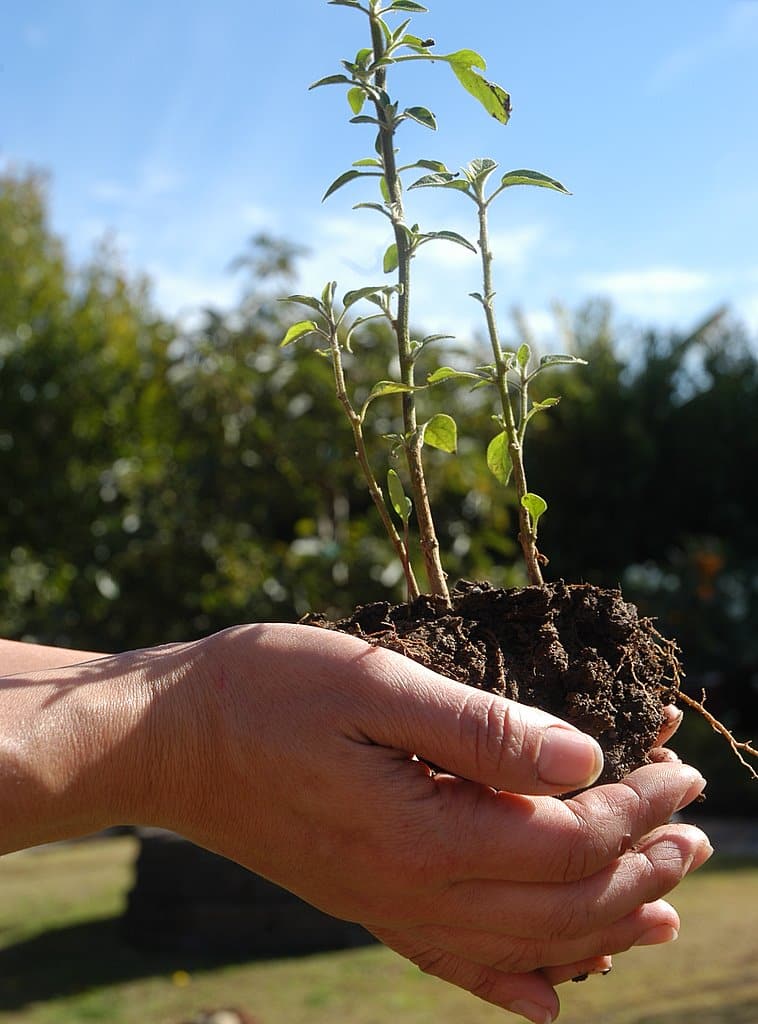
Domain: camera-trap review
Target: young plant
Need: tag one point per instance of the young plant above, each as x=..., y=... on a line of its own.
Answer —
x=371, y=104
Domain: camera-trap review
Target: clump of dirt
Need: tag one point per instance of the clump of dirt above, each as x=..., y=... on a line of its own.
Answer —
x=576, y=651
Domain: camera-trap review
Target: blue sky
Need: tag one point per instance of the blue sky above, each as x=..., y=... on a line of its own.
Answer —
x=183, y=128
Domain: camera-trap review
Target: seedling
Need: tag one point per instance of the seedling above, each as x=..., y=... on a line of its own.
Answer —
x=511, y=373
x=366, y=80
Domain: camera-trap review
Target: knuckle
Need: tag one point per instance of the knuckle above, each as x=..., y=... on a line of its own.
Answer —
x=495, y=734
x=484, y=985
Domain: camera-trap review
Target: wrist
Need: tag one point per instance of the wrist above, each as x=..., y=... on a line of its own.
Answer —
x=92, y=745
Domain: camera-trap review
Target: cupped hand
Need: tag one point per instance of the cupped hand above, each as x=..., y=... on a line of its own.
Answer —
x=306, y=761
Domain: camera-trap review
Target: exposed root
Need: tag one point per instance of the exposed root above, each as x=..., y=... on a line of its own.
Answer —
x=738, y=747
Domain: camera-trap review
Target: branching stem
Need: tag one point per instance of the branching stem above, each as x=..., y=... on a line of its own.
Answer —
x=400, y=545
x=413, y=442
x=513, y=428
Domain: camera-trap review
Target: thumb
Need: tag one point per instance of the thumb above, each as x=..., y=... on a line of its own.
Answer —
x=475, y=734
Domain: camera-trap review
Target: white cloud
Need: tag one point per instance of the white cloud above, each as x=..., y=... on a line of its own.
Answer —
x=183, y=293
x=650, y=281
x=154, y=180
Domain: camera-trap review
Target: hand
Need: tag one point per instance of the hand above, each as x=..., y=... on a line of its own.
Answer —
x=298, y=762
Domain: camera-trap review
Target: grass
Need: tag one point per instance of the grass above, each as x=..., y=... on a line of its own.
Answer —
x=62, y=960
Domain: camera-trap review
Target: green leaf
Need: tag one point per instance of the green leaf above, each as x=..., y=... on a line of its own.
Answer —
x=523, y=356
x=363, y=119
x=385, y=189
x=391, y=259
x=407, y=5
x=432, y=165
x=363, y=56
x=387, y=387
x=499, y=458
x=525, y=177
x=350, y=298
x=562, y=360
x=448, y=373
x=327, y=295
x=356, y=98
x=495, y=100
x=339, y=182
x=441, y=180
x=346, y=3
x=305, y=300
x=374, y=206
x=546, y=403
x=422, y=116
x=479, y=170
x=535, y=506
x=369, y=161
x=298, y=330
x=449, y=236
x=399, y=499
x=441, y=432
x=331, y=80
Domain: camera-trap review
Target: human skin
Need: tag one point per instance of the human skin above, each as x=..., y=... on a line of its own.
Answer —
x=291, y=750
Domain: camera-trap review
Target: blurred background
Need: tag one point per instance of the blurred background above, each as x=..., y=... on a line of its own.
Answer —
x=166, y=470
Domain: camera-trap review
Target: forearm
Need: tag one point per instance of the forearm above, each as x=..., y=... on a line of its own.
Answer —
x=26, y=657
x=85, y=746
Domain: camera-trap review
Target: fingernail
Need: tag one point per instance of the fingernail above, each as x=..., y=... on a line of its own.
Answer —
x=695, y=788
x=658, y=935
x=532, y=1011
x=568, y=757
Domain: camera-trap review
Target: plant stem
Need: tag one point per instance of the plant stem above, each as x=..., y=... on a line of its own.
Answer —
x=427, y=533
x=400, y=545
x=514, y=430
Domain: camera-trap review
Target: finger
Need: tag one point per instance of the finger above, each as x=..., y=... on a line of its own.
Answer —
x=468, y=732
x=672, y=719
x=524, y=910
x=528, y=994
x=552, y=840
x=578, y=971
x=651, y=924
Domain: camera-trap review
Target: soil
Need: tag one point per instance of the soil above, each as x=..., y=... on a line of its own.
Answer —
x=577, y=651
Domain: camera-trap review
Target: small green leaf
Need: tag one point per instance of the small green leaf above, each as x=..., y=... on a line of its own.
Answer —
x=407, y=5
x=364, y=119
x=388, y=387
x=369, y=161
x=305, y=300
x=432, y=165
x=449, y=236
x=525, y=177
x=480, y=170
x=441, y=180
x=327, y=295
x=546, y=403
x=523, y=356
x=441, y=432
x=422, y=116
x=535, y=506
x=363, y=56
x=448, y=373
x=495, y=100
x=391, y=259
x=331, y=80
x=499, y=458
x=399, y=499
x=356, y=98
x=385, y=189
x=345, y=3
x=562, y=360
x=339, y=182
x=374, y=206
x=298, y=330
x=350, y=298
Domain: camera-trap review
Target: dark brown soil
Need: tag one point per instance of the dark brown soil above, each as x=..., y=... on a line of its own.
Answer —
x=577, y=651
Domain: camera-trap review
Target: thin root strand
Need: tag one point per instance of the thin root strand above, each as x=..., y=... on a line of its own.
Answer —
x=738, y=747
